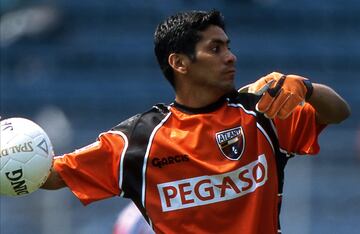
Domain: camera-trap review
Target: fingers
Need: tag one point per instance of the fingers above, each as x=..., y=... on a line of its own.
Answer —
x=261, y=85
x=292, y=102
x=280, y=106
x=256, y=86
x=277, y=104
x=274, y=91
x=264, y=88
x=272, y=98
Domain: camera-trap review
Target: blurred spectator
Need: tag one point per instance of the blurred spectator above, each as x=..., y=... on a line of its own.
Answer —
x=130, y=221
x=28, y=21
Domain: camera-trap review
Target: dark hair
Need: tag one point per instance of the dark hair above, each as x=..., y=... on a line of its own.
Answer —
x=180, y=33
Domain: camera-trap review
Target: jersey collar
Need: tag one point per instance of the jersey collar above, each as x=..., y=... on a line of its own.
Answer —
x=206, y=109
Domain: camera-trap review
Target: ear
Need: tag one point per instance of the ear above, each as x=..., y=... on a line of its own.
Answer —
x=179, y=62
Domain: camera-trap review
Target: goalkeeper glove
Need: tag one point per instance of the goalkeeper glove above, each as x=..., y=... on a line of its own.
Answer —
x=280, y=94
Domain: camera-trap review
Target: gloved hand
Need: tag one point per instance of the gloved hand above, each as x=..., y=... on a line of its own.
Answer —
x=280, y=93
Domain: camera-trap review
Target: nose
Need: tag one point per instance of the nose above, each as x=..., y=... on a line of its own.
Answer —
x=230, y=57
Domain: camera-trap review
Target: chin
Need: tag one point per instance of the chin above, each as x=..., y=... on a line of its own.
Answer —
x=226, y=88
x=229, y=85
x=229, y=82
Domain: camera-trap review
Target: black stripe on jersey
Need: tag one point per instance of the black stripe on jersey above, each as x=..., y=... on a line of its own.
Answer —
x=138, y=130
x=281, y=158
x=248, y=101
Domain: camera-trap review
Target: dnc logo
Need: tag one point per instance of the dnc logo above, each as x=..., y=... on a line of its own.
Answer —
x=231, y=142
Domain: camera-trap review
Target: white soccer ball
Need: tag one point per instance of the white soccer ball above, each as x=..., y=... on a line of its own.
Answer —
x=26, y=155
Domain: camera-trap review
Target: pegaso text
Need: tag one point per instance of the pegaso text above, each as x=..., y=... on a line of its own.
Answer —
x=207, y=189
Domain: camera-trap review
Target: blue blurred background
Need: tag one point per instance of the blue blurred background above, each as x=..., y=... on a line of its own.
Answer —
x=80, y=67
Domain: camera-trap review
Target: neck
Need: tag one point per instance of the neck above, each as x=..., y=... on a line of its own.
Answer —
x=194, y=94
x=198, y=98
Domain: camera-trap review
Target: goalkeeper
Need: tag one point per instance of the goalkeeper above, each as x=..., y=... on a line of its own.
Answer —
x=213, y=160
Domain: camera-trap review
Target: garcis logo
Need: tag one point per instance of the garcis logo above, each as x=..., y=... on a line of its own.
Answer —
x=164, y=161
x=231, y=142
x=203, y=190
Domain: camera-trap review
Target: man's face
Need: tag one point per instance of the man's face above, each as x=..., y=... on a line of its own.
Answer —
x=214, y=66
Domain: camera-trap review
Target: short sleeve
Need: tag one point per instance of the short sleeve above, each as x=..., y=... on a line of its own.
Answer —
x=92, y=173
x=299, y=132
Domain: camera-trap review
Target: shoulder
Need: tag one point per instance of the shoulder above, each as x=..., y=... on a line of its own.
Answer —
x=145, y=120
x=246, y=100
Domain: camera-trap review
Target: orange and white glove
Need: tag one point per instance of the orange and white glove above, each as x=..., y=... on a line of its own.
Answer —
x=280, y=94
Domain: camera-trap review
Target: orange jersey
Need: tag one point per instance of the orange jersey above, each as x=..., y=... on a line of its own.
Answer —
x=217, y=169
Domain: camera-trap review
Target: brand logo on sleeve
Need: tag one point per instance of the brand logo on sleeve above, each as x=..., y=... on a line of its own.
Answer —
x=208, y=189
x=231, y=142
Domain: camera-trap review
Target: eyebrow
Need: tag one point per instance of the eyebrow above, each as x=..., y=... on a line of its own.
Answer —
x=220, y=41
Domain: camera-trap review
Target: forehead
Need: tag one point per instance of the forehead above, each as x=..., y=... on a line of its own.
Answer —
x=213, y=33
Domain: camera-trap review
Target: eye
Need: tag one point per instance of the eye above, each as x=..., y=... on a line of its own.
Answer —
x=215, y=49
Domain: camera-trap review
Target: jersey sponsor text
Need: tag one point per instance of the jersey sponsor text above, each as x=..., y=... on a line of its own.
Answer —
x=205, y=190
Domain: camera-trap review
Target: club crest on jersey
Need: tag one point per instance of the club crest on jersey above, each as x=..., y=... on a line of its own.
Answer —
x=231, y=142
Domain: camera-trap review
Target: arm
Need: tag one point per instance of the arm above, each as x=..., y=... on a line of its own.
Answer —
x=54, y=181
x=282, y=94
x=92, y=172
x=330, y=107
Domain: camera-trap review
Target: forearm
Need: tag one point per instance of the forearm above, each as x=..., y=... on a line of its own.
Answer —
x=54, y=181
x=330, y=106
